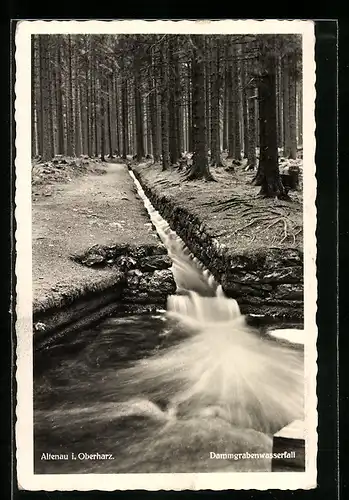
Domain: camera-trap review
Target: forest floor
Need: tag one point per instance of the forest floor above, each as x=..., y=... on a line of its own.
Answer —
x=76, y=206
x=231, y=209
x=79, y=203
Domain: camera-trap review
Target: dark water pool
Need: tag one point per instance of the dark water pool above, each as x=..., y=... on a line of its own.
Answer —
x=88, y=401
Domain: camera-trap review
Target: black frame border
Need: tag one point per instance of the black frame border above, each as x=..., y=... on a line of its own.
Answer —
x=327, y=262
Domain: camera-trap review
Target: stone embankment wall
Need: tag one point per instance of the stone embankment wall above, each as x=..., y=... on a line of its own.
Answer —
x=95, y=251
x=268, y=282
x=143, y=281
x=147, y=278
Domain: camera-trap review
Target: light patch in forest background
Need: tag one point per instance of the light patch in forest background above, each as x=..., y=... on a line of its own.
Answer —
x=24, y=412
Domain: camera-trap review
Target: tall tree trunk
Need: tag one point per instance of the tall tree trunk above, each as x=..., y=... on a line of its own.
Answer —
x=300, y=113
x=108, y=98
x=251, y=152
x=59, y=101
x=293, y=106
x=211, y=97
x=215, y=95
x=236, y=105
x=153, y=110
x=179, y=110
x=117, y=117
x=181, y=132
x=225, y=112
x=40, y=104
x=158, y=85
x=51, y=107
x=148, y=123
x=88, y=113
x=33, y=97
x=82, y=119
x=172, y=116
x=172, y=111
x=102, y=122
x=154, y=128
x=229, y=82
x=36, y=95
x=92, y=107
x=45, y=98
x=164, y=106
x=70, y=127
x=65, y=109
x=95, y=99
x=245, y=109
x=144, y=125
x=209, y=41
x=138, y=109
x=83, y=149
x=47, y=149
x=185, y=122
x=124, y=110
x=268, y=176
x=199, y=169
x=76, y=103
x=177, y=96
x=190, y=109
x=133, y=128
x=131, y=117
x=279, y=100
x=89, y=106
x=286, y=107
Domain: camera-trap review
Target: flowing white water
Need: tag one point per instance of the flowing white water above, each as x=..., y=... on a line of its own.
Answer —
x=219, y=386
x=223, y=368
x=189, y=273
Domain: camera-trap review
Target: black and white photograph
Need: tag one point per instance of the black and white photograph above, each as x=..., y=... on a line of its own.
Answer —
x=165, y=241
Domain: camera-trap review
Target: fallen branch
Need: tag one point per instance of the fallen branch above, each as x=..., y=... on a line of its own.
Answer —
x=285, y=231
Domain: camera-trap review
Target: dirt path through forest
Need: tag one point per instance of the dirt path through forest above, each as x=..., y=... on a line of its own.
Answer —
x=91, y=209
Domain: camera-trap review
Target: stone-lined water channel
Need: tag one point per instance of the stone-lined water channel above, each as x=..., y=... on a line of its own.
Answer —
x=160, y=392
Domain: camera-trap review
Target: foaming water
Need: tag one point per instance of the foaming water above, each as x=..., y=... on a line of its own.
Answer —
x=188, y=271
x=209, y=383
x=223, y=368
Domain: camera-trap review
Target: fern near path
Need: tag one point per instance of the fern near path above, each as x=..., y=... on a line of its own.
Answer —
x=69, y=218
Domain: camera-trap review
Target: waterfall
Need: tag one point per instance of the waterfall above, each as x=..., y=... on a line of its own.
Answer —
x=213, y=385
x=223, y=367
x=195, y=283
